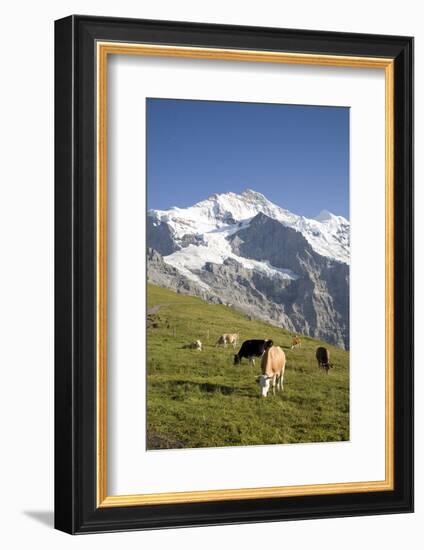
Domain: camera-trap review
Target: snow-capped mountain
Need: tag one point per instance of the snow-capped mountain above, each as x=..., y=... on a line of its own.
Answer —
x=246, y=250
x=328, y=234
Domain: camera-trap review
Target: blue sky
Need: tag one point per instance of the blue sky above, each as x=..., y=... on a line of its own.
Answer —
x=297, y=156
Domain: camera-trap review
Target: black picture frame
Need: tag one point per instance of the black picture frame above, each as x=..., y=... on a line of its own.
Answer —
x=76, y=509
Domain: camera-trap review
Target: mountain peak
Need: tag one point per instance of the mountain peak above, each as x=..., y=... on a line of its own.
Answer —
x=248, y=195
x=252, y=193
x=324, y=215
x=254, y=197
x=221, y=213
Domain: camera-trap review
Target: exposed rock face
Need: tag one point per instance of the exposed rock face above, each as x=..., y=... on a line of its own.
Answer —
x=160, y=237
x=162, y=274
x=317, y=302
x=249, y=291
x=188, y=239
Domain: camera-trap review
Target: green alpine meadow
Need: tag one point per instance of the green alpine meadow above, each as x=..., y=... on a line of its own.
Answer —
x=200, y=398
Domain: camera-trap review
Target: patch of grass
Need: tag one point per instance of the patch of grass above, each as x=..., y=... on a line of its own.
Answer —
x=200, y=399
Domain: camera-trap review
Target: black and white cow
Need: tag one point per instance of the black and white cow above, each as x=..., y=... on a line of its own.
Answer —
x=251, y=349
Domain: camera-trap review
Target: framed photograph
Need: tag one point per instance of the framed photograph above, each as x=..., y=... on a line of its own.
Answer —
x=234, y=274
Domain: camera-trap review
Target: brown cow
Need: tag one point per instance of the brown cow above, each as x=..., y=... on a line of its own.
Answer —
x=323, y=358
x=296, y=342
x=273, y=365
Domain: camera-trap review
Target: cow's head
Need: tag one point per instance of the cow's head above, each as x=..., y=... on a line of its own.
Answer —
x=264, y=384
x=236, y=359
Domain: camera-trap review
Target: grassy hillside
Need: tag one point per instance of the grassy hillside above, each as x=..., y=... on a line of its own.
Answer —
x=200, y=399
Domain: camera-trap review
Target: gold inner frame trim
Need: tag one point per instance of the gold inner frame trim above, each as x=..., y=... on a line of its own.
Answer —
x=104, y=49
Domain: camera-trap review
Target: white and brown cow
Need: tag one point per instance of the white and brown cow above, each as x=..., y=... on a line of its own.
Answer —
x=273, y=364
x=226, y=339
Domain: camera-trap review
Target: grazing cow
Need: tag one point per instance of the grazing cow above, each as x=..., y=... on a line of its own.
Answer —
x=296, y=343
x=323, y=358
x=251, y=349
x=197, y=344
x=225, y=339
x=273, y=365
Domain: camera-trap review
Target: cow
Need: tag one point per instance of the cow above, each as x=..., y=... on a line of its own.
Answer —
x=225, y=339
x=197, y=344
x=296, y=342
x=273, y=365
x=323, y=358
x=251, y=349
